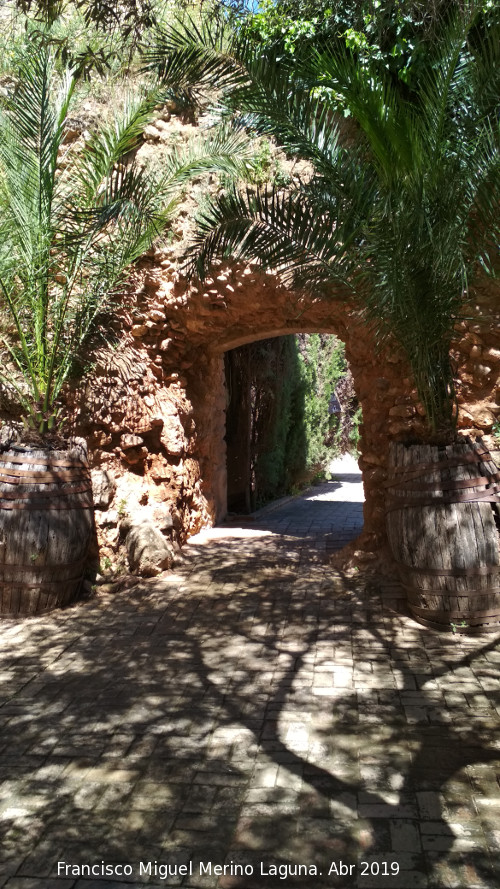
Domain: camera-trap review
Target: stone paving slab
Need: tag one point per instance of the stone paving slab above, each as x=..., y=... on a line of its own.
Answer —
x=254, y=720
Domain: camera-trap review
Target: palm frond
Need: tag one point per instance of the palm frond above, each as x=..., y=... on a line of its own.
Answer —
x=190, y=55
x=109, y=146
x=31, y=128
x=385, y=123
x=66, y=242
x=280, y=231
x=33, y=123
x=304, y=124
x=222, y=150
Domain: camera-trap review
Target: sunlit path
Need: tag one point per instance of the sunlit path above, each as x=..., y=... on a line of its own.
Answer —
x=327, y=515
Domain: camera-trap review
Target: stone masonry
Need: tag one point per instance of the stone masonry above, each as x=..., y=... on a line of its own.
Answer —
x=153, y=409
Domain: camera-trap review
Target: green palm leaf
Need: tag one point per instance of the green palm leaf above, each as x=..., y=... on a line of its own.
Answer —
x=110, y=145
x=67, y=241
x=191, y=54
x=404, y=206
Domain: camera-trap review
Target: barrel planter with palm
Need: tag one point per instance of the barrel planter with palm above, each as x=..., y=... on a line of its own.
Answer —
x=403, y=210
x=46, y=520
x=71, y=224
x=442, y=525
x=68, y=231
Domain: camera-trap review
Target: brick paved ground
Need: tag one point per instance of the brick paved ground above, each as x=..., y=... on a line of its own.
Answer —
x=256, y=709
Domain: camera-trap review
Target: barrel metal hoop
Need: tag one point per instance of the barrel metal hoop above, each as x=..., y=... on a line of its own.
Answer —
x=40, y=583
x=30, y=459
x=45, y=505
x=83, y=488
x=490, y=495
x=459, y=615
x=423, y=468
x=449, y=485
x=460, y=594
x=13, y=477
x=32, y=567
x=480, y=571
x=471, y=629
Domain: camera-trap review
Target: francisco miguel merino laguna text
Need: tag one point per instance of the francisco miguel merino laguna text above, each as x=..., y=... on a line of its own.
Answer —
x=164, y=870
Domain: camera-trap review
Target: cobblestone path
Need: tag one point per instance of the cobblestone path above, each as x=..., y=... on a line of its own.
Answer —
x=257, y=711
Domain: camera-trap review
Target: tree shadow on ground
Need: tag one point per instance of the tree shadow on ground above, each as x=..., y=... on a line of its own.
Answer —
x=258, y=708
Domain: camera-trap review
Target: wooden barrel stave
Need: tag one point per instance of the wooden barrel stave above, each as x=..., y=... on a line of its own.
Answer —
x=46, y=519
x=447, y=552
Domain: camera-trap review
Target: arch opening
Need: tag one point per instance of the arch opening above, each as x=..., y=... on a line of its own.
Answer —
x=291, y=408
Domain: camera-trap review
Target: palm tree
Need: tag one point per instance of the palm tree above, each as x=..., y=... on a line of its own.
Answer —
x=71, y=224
x=404, y=211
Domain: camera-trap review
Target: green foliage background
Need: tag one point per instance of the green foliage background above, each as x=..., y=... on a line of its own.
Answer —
x=278, y=435
x=396, y=35
x=323, y=364
x=288, y=382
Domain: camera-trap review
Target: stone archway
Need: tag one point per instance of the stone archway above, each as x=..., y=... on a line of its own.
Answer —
x=239, y=306
x=260, y=309
x=154, y=408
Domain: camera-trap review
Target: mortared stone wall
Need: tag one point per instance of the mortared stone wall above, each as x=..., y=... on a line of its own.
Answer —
x=153, y=408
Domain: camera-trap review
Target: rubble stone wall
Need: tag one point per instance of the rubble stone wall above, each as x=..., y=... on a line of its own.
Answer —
x=153, y=407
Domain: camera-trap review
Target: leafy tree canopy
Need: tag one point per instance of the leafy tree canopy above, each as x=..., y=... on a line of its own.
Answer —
x=393, y=34
x=121, y=27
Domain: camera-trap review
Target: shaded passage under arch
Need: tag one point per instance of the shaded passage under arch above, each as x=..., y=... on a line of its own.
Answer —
x=281, y=428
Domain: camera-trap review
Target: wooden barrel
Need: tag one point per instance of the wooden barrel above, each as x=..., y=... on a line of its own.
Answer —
x=46, y=524
x=442, y=516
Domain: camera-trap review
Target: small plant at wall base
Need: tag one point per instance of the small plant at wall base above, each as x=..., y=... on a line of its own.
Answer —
x=463, y=625
x=122, y=508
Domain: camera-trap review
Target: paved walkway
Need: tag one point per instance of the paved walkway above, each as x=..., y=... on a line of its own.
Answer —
x=256, y=713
